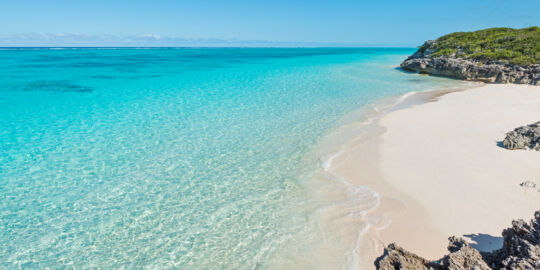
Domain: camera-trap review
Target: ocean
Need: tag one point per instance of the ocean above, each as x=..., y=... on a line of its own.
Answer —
x=189, y=158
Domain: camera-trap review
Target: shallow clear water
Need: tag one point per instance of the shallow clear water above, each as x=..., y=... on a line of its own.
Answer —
x=159, y=158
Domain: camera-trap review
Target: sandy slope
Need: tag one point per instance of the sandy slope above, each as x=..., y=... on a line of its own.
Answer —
x=440, y=171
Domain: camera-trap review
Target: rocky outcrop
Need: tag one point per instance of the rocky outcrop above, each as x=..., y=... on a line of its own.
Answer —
x=521, y=250
x=462, y=256
x=395, y=257
x=525, y=137
x=423, y=61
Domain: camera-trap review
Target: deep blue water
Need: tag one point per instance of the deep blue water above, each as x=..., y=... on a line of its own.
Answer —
x=174, y=158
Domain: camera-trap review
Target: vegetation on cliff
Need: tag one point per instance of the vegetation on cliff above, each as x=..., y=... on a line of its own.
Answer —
x=514, y=46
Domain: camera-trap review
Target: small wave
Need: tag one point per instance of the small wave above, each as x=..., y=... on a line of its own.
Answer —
x=353, y=257
x=327, y=163
x=403, y=98
x=361, y=198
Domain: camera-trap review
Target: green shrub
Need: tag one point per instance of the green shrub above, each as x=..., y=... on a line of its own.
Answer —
x=516, y=46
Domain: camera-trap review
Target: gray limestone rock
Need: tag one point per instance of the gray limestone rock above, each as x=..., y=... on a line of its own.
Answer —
x=462, y=256
x=395, y=257
x=524, y=137
x=521, y=250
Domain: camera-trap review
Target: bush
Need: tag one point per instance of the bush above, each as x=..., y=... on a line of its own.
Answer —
x=516, y=46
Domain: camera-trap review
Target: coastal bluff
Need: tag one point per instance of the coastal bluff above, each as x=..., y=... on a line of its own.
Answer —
x=520, y=250
x=495, y=55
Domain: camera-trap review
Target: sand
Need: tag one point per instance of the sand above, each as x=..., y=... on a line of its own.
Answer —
x=440, y=170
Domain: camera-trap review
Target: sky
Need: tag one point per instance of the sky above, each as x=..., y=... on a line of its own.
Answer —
x=399, y=23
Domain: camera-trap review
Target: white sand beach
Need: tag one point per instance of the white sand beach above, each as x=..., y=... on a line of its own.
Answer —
x=440, y=171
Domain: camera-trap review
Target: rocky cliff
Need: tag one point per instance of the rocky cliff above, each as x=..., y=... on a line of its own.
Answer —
x=493, y=55
x=521, y=250
x=424, y=61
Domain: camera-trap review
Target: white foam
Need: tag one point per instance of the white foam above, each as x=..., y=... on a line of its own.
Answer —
x=403, y=98
x=360, y=200
x=327, y=163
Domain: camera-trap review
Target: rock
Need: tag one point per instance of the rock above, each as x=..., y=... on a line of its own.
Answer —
x=395, y=257
x=467, y=69
x=523, y=137
x=521, y=250
x=462, y=256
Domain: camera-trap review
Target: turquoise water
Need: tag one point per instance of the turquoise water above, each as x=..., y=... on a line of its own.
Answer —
x=174, y=158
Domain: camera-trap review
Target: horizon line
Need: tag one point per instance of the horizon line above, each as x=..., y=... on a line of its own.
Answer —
x=203, y=47
x=154, y=40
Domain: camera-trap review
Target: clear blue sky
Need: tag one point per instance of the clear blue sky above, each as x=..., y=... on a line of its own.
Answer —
x=382, y=22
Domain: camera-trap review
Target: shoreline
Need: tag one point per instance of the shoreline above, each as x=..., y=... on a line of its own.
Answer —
x=409, y=217
x=352, y=217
